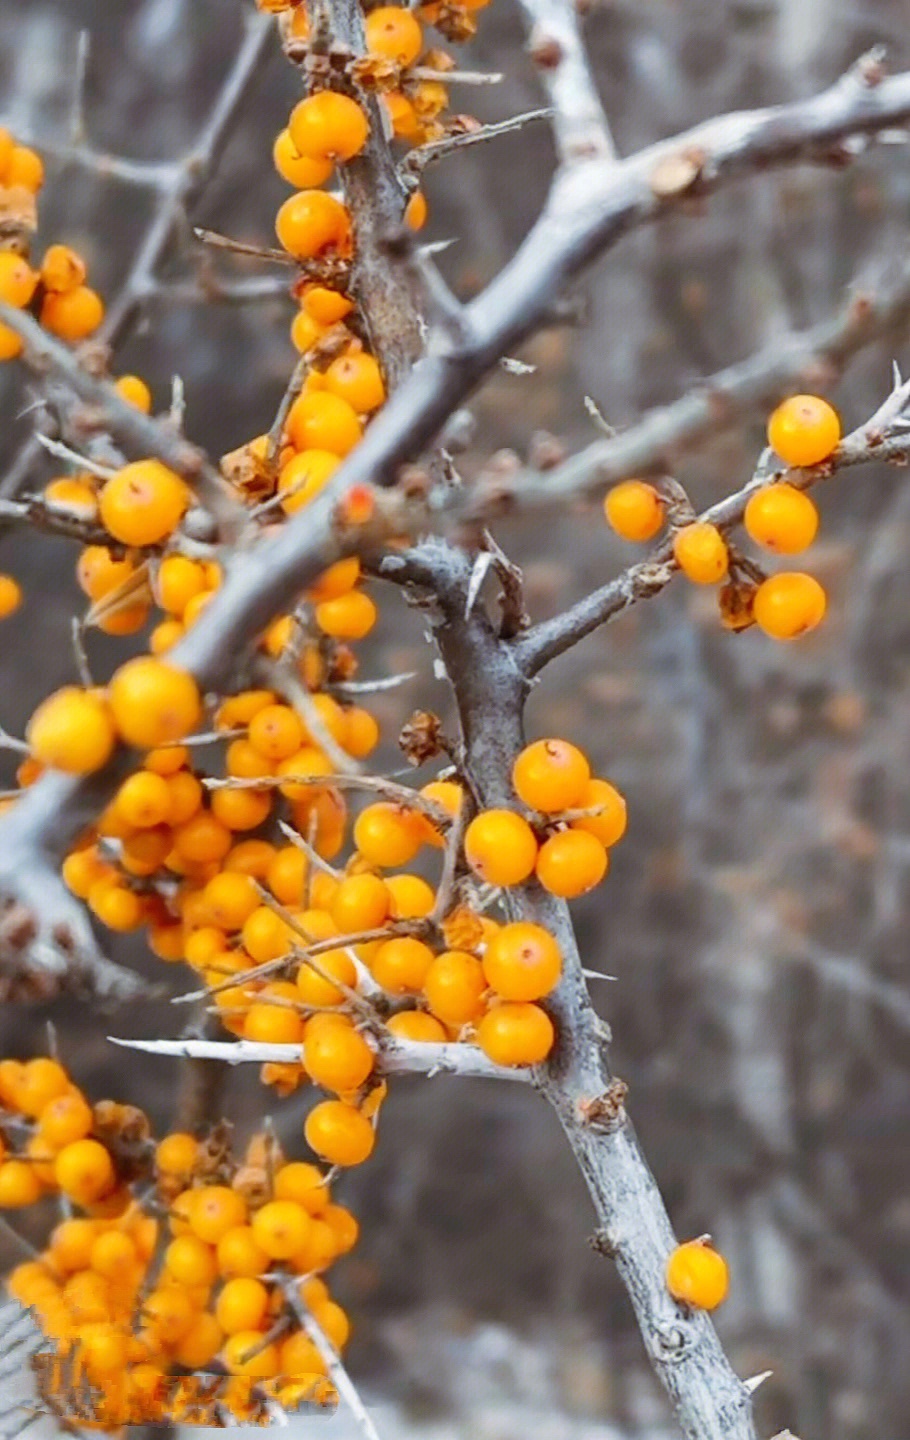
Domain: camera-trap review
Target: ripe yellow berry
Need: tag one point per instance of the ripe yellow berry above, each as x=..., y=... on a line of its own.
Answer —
x=311, y=223
x=84, y=1171
x=272, y=1024
x=319, y=420
x=72, y=497
x=153, y=703
x=400, y=965
x=417, y=1025
x=337, y=1057
x=394, y=33
x=550, y=775
x=304, y=1183
x=66, y=1118
x=144, y=800
x=62, y=269
x=522, y=961
x=241, y=1305
x=411, y=897
x=143, y=503
x=781, y=518
x=325, y=306
x=455, y=986
x=350, y=617
x=697, y=1275
x=339, y=1134
x=200, y=1343
x=72, y=314
x=789, y=604
x=634, y=510
x=328, y=126
x=804, y=430
x=609, y=825
x=17, y=279
x=416, y=211
x=304, y=475
x=239, y=1253
x=386, y=835
x=42, y=1080
x=214, y=1211
x=361, y=902
x=357, y=379
x=25, y=168
x=179, y=580
x=19, y=1185
x=500, y=847
x=72, y=730
x=281, y=1228
x=571, y=863
x=316, y=987
x=298, y=170
x=244, y=1354
x=133, y=389
x=701, y=553
x=10, y=595
x=516, y=1034
x=276, y=732
x=98, y=573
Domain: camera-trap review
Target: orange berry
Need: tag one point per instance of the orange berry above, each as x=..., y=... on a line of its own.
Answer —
x=73, y=498
x=144, y=800
x=571, y=863
x=312, y=223
x=286, y=876
x=304, y=475
x=84, y=1171
x=393, y=33
x=337, y=1058
x=500, y=847
x=455, y=986
x=215, y=1210
x=179, y=580
x=153, y=703
x=201, y=839
x=305, y=333
x=357, y=378
x=280, y=1228
x=115, y=906
x=298, y=170
x=609, y=825
x=339, y=1134
x=361, y=902
x=634, y=510
x=804, y=430
x=522, y=961
x=26, y=168
x=165, y=636
x=72, y=314
x=315, y=989
x=244, y=1354
x=416, y=211
x=113, y=1254
x=328, y=126
x=276, y=732
x=244, y=762
x=400, y=965
x=98, y=573
x=241, y=809
x=789, y=604
x=143, y=503
x=19, y=1185
x=272, y=1024
x=40, y=1082
x=186, y=796
x=550, y=775
x=241, y=1305
x=318, y=420
x=10, y=596
x=190, y=1261
x=411, y=898
x=239, y=1253
x=72, y=730
x=386, y=835
x=265, y=935
x=325, y=306
x=405, y=123
x=200, y=1343
x=62, y=269
x=701, y=553
x=230, y=899
x=334, y=1323
x=66, y=1118
x=168, y=1314
x=17, y=279
x=133, y=389
x=417, y=1025
x=697, y=1275
x=303, y=1183
x=782, y=519
x=516, y=1034
x=350, y=617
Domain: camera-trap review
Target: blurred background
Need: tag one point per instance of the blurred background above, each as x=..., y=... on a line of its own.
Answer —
x=756, y=916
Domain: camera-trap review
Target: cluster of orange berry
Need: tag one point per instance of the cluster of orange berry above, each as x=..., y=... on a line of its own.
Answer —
x=185, y=1275
x=804, y=431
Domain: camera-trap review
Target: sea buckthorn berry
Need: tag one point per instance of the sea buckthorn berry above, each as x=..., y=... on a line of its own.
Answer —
x=241, y=1305
x=609, y=825
x=153, y=703
x=804, y=430
x=287, y=874
x=315, y=987
x=701, y=553
x=394, y=33
x=298, y=170
x=411, y=897
x=143, y=503
x=202, y=839
x=272, y=1024
x=516, y=1033
x=281, y=1228
x=333, y=1322
x=303, y=1183
x=337, y=1057
x=190, y=1261
x=571, y=863
x=144, y=800
x=325, y=306
x=328, y=126
x=550, y=775
x=311, y=223
x=168, y=1314
x=66, y=1118
x=361, y=902
x=265, y=935
x=215, y=1210
x=133, y=389
x=405, y=122
x=231, y=899
x=244, y=1354
x=634, y=510
x=455, y=986
x=239, y=1253
x=304, y=476
x=186, y=796
x=17, y=279
x=400, y=965
x=781, y=518
x=238, y=710
x=416, y=211
x=305, y=333
x=19, y=1185
x=417, y=1025
x=98, y=573
x=250, y=857
x=339, y=1134
x=357, y=379
x=113, y=1253
x=386, y=835
x=72, y=730
x=789, y=604
x=62, y=269
x=522, y=961
x=322, y=421
x=697, y=1275
x=26, y=168
x=500, y=847
x=84, y=1171
x=199, y=1345
x=361, y=733
x=179, y=580
x=116, y=906
x=350, y=617
x=276, y=732
x=72, y=314
x=41, y=1082
x=71, y=497
x=243, y=761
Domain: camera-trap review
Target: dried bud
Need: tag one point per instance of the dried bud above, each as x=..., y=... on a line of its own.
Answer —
x=374, y=73
x=252, y=1182
x=421, y=737
x=284, y=1079
x=736, y=600
x=463, y=930
x=126, y=1133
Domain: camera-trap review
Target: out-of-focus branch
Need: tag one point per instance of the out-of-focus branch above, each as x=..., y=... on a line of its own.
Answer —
x=872, y=441
x=557, y=48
